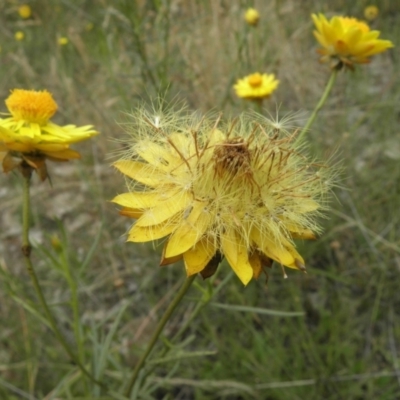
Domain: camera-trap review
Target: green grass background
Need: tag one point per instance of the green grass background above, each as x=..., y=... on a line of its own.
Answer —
x=345, y=341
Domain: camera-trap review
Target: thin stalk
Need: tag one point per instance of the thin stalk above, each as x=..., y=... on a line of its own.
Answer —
x=169, y=311
x=200, y=305
x=259, y=105
x=26, y=251
x=320, y=104
x=74, y=303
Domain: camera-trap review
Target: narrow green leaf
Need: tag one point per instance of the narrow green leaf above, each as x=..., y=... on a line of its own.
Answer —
x=258, y=310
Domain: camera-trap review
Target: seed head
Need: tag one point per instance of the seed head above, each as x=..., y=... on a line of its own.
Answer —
x=239, y=189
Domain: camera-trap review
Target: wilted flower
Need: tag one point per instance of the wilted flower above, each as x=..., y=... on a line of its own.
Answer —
x=252, y=16
x=347, y=41
x=371, y=12
x=242, y=190
x=19, y=35
x=256, y=86
x=28, y=136
x=24, y=11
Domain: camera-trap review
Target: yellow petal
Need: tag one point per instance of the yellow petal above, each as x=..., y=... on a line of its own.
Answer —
x=149, y=233
x=166, y=209
x=140, y=172
x=189, y=231
x=50, y=147
x=170, y=260
x=283, y=252
x=131, y=212
x=21, y=147
x=137, y=199
x=197, y=258
x=306, y=234
x=306, y=205
x=62, y=155
x=235, y=251
x=182, y=144
x=157, y=155
x=270, y=248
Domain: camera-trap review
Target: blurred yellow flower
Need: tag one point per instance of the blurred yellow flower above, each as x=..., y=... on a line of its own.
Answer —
x=24, y=11
x=256, y=86
x=19, y=35
x=252, y=16
x=237, y=190
x=62, y=41
x=346, y=41
x=28, y=136
x=89, y=26
x=371, y=12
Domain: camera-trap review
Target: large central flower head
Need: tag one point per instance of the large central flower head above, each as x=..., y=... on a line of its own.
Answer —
x=28, y=136
x=347, y=41
x=239, y=190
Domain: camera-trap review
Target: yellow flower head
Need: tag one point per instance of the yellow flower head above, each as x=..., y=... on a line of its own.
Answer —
x=19, y=35
x=347, y=41
x=256, y=86
x=252, y=16
x=24, y=11
x=29, y=137
x=241, y=190
x=371, y=12
x=62, y=41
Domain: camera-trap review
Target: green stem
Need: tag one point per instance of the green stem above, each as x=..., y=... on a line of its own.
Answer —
x=200, y=305
x=171, y=308
x=259, y=104
x=320, y=104
x=74, y=303
x=26, y=251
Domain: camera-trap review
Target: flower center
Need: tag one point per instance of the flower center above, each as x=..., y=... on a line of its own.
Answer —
x=233, y=158
x=255, y=80
x=31, y=106
x=349, y=23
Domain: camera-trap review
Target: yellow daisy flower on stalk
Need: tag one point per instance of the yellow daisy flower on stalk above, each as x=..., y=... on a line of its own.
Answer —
x=62, y=41
x=241, y=190
x=25, y=11
x=347, y=41
x=19, y=36
x=252, y=16
x=256, y=86
x=371, y=13
x=28, y=137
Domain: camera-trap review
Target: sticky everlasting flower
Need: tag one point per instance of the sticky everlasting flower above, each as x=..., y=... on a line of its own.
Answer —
x=62, y=41
x=256, y=86
x=28, y=136
x=24, y=11
x=371, y=12
x=19, y=35
x=240, y=190
x=252, y=16
x=347, y=41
